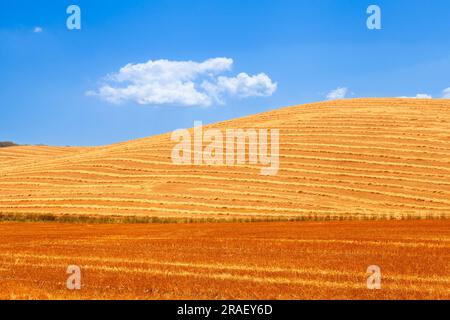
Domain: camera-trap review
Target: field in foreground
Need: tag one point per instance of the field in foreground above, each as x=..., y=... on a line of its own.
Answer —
x=301, y=260
x=347, y=159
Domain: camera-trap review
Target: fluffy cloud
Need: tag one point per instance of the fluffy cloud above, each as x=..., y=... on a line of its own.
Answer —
x=38, y=29
x=241, y=86
x=419, y=96
x=446, y=93
x=186, y=83
x=339, y=93
x=423, y=96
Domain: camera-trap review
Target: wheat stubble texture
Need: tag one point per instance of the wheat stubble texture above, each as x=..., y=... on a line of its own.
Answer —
x=348, y=159
x=283, y=260
x=379, y=167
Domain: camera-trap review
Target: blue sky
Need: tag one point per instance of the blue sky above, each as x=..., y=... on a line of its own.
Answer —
x=308, y=48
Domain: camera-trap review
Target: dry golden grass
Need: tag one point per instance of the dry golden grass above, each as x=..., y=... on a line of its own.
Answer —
x=23, y=155
x=298, y=260
x=362, y=158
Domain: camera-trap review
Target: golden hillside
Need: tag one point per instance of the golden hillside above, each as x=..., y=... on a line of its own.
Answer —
x=340, y=159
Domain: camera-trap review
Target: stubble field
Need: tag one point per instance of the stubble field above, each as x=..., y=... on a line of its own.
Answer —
x=348, y=159
x=380, y=168
x=298, y=260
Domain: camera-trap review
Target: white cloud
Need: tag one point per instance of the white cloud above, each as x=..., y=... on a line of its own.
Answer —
x=186, y=83
x=446, y=93
x=339, y=93
x=423, y=96
x=38, y=29
x=419, y=96
x=241, y=86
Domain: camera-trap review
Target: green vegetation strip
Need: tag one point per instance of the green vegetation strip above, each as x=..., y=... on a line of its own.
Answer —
x=143, y=220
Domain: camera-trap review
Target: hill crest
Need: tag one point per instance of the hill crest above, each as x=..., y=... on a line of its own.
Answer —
x=344, y=159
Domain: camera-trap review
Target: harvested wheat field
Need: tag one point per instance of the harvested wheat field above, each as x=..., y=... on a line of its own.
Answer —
x=276, y=260
x=347, y=159
x=379, y=166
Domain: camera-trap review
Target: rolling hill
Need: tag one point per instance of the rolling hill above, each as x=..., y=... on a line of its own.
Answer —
x=345, y=159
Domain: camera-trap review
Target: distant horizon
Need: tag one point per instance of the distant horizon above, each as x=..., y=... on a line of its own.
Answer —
x=189, y=127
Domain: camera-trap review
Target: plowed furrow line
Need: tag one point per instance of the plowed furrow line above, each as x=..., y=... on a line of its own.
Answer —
x=217, y=266
x=321, y=186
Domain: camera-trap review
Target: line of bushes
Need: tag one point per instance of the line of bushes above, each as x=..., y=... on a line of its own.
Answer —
x=162, y=220
x=4, y=144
